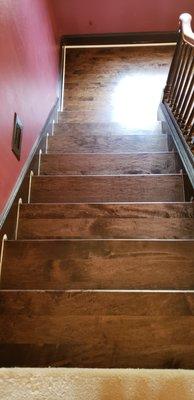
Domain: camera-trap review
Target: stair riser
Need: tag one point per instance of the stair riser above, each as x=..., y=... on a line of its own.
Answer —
x=107, y=189
x=96, y=340
x=98, y=265
x=108, y=210
x=100, y=115
x=140, y=228
x=106, y=129
x=85, y=105
x=84, y=329
x=87, y=164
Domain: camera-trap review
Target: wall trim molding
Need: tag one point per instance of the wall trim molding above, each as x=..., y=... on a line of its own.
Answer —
x=35, y=148
x=119, y=38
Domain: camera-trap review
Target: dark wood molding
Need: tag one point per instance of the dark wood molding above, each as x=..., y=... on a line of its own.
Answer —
x=8, y=216
x=119, y=38
x=186, y=156
x=60, y=75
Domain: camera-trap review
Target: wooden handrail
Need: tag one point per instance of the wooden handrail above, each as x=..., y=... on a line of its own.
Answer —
x=186, y=29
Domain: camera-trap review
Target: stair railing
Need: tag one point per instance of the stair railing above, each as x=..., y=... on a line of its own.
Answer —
x=179, y=91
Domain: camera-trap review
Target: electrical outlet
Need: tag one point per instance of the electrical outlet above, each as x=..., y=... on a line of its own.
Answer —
x=17, y=137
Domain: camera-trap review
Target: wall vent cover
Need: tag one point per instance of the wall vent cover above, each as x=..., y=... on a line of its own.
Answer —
x=17, y=137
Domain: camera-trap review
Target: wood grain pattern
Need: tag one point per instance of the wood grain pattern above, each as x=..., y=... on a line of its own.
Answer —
x=101, y=114
x=101, y=53
x=49, y=329
x=108, y=164
x=108, y=128
x=64, y=189
x=107, y=144
x=92, y=303
x=94, y=77
x=108, y=210
x=98, y=264
x=86, y=299
x=95, y=60
x=127, y=221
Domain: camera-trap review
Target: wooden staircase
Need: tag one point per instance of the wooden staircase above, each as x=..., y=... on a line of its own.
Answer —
x=102, y=271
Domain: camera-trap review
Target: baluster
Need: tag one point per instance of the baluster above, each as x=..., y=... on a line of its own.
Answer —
x=182, y=78
x=189, y=137
x=186, y=102
x=192, y=139
x=189, y=116
x=173, y=69
x=183, y=93
x=179, y=71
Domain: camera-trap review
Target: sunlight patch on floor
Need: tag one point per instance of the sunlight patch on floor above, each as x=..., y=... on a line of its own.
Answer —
x=136, y=98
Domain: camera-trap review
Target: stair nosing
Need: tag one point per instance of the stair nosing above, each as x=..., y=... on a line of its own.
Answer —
x=105, y=175
x=111, y=203
x=112, y=154
x=98, y=240
x=172, y=291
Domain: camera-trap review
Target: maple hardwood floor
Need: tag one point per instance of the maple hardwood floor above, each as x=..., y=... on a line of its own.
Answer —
x=121, y=85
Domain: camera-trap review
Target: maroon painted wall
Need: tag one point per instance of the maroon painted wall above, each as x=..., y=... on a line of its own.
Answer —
x=108, y=16
x=28, y=80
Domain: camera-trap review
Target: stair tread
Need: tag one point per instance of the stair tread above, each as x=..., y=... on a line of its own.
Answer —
x=101, y=188
x=138, y=163
x=98, y=264
x=59, y=328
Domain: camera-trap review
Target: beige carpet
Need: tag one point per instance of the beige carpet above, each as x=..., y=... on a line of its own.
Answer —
x=93, y=384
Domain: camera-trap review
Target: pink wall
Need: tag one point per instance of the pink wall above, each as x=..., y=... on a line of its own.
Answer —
x=28, y=80
x=101, y=16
